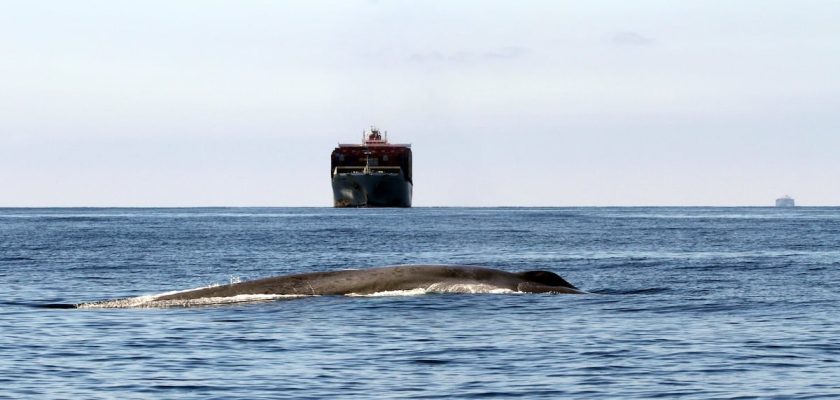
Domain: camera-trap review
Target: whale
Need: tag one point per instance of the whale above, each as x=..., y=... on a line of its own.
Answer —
x=368, y=281
x=387, y=279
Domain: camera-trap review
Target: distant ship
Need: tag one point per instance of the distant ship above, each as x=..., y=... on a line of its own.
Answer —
x=786, y=201
x=372, y=174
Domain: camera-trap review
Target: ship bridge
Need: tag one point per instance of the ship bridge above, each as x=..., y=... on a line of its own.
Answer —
x=374, y=137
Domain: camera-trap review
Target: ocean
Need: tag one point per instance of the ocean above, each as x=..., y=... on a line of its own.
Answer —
x=696, y=303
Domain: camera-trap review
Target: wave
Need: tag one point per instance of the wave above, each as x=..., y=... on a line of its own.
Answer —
x=654, y=290
x=151, y=301
x=441, y=288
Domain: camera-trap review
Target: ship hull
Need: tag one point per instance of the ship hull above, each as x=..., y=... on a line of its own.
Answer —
x=371, y=190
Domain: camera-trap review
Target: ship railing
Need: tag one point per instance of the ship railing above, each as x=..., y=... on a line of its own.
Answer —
x=372, y=168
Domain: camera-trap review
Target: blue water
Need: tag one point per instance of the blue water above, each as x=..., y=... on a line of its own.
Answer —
x=687, y=302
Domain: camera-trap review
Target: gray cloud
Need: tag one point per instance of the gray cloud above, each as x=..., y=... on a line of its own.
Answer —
x=631, y=39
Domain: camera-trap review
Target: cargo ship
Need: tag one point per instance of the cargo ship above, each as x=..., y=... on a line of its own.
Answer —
x=374, y=173
x=786, y=201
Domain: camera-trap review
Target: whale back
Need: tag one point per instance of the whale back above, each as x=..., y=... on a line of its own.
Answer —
x=547, y=278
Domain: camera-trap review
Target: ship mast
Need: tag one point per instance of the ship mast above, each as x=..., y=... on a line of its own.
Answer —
x=366, y=170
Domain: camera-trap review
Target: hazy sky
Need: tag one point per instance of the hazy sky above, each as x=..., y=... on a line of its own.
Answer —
x=550, y=103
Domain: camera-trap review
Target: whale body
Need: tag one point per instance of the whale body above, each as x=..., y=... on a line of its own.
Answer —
x=386, y=279
x=370, y=281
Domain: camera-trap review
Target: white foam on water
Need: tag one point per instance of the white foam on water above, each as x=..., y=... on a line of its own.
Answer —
x=129, y=302
x=410, y=292
x=212, y=301
x=150, y=301
x=441, y=288
x=467, y=288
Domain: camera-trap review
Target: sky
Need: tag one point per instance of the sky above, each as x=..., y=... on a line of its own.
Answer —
x=505, y=103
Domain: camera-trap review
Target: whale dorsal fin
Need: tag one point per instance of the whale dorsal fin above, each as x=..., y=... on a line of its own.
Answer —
x=546, y=278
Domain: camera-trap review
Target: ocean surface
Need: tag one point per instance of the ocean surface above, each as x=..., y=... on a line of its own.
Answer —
x=696, y=303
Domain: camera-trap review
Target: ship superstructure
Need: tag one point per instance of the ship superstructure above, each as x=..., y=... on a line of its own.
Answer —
x=374, y=173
